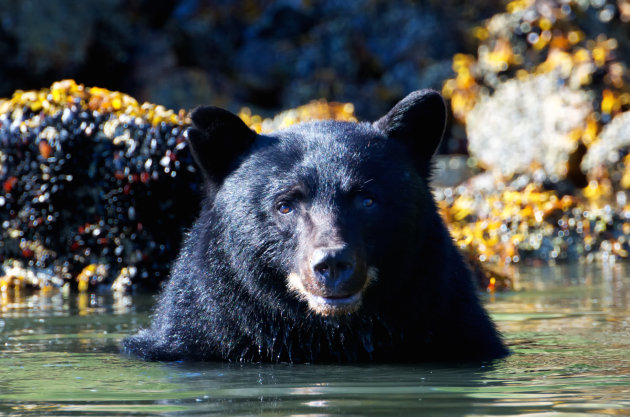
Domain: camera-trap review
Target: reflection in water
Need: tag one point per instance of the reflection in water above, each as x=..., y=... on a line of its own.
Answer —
x=23, y=303
x=568, y=327
x=567, y=297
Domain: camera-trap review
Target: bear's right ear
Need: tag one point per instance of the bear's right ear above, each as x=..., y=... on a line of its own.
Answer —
x=217, y=138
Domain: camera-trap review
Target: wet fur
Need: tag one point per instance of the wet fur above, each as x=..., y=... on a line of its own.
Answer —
x=236, y=293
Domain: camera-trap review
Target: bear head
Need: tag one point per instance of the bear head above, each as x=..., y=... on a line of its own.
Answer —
x=313, y=216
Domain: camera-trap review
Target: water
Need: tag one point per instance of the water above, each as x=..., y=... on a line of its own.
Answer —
x=568, y=328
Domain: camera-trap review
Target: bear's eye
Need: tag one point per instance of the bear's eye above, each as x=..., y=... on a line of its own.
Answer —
x=367, y=201
x=363, y=199
x=284, y=207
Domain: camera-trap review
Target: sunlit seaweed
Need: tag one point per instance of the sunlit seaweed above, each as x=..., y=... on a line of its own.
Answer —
x=541, y=37
x=569, y=211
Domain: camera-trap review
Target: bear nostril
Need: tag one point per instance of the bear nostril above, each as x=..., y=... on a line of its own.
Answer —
x=332, y=265
x=322, y=269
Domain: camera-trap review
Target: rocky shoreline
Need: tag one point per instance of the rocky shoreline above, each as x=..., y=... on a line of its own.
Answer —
x=96, y=188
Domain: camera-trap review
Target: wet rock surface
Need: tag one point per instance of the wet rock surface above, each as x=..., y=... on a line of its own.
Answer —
x=92, y=182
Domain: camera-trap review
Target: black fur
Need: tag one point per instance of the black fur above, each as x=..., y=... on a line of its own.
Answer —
x=359, y=186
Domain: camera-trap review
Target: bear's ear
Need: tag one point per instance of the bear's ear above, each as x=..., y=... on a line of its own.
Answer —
x=418, y=120
x=217, y=138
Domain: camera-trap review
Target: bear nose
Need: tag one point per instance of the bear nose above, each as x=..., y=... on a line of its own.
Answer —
x=333, y=266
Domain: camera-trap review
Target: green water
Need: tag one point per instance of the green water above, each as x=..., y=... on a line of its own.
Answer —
x=568, y=328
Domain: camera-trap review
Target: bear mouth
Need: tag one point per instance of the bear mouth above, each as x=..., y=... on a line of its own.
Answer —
x=329, y=303
x=334, y=305
x=325, y=304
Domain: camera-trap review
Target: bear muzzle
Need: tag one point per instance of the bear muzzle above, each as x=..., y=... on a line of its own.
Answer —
x=333, y=281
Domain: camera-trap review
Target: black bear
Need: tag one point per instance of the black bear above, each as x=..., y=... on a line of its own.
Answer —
x=319, y=243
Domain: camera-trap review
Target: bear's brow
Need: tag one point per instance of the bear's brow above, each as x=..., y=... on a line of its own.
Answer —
x=361, y=185
x=296, y=191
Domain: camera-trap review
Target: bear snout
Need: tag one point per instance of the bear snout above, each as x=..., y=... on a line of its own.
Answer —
x=334, y=270
x=331, y=281
x=335, y=273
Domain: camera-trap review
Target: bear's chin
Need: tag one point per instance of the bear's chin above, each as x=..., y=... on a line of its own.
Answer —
x=325, y=306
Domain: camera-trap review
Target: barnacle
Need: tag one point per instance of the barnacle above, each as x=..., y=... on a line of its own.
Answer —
x=67, y=94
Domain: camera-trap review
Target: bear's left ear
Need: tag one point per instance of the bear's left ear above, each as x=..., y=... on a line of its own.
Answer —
x=217, y=138
x=418, y=120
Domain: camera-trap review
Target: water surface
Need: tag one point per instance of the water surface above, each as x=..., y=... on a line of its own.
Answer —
x=568, y=328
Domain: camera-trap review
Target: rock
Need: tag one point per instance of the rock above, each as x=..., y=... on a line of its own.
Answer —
x=91, y=177
x=612, y=146
x=527, y=124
